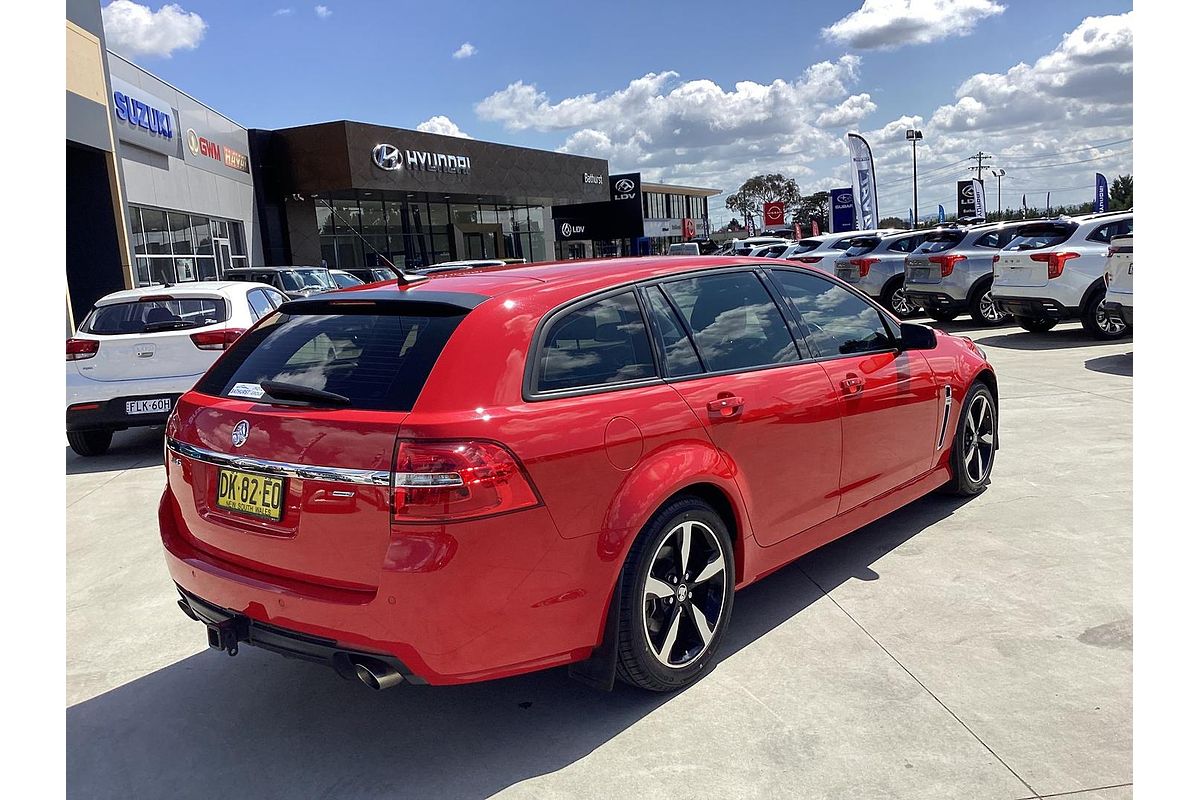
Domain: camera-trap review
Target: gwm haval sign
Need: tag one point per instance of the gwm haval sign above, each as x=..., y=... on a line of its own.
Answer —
x=391, y=158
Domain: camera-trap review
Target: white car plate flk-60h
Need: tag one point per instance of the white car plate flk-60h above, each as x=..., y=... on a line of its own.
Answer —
x=156, y=405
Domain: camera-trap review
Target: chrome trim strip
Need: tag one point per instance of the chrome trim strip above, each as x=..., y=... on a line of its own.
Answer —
x=948, y=392
x=360, y=477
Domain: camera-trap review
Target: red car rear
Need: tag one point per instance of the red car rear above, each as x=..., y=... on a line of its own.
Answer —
x=499, y=471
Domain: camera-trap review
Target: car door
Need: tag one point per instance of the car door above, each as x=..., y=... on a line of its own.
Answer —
x=764, y=402
x=889, y=398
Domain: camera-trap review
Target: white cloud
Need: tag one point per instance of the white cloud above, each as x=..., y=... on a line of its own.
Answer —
x=282, y=12
x=135, y=30
x=443, y=125
x=465, y=50
x=893, y=23
x=324, y=12
x=848, y=112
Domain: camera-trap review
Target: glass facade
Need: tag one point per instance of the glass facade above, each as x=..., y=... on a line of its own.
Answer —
x=174, y=246
x=414, y=233
x=660, y=205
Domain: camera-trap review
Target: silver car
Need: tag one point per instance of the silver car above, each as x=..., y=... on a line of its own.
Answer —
x=819, y=252
x=875, y=264
x=951, y=271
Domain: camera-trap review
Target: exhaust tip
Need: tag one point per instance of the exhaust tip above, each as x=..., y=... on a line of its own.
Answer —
x=376, y=674
x=186, y=608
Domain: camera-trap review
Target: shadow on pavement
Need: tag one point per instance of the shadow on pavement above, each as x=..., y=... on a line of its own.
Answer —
x=1056, y=339
x=139, y=447
x=1119, y=364
x=263, y=726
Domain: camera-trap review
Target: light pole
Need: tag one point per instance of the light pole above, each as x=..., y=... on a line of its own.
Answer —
x=914, y=136
x=999, y=174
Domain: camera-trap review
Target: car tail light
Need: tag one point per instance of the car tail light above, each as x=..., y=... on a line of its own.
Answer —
x=946, y=263
x=216, y=340
x=1112, y=250
x=806, y=259
x=83, y=407
x=1107, y=278
x=864, y=265
x=1055, y=262
x=79, y=349
x=457, y=480
x=995, y=260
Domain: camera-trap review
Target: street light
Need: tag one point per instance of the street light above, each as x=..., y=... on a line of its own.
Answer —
x=914, y=136
x=999, y=174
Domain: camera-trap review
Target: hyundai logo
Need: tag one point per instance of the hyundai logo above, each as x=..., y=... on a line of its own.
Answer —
x=241, y=432
x=623, y=186
x=387, y=157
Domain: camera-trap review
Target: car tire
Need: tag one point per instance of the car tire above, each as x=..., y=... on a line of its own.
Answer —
x=983, y=309
x=941, y=315
x=661, y=644
x=89, y=443
x=973, y=451
x=1098, y=322
x=894, y=300
x=1036, y=324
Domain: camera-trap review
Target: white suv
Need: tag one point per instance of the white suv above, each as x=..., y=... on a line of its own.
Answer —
x=820, y=252
x=1118, y=276
x=140, y=349
x=1054, y=270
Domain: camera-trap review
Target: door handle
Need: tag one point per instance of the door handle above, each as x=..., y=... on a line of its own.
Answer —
x=853, y=384
x=726, y=406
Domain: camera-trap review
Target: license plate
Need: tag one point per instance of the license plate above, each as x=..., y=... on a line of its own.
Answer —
x=845, y=273
x=157, y=405
x=246, y=493
x=919, y=273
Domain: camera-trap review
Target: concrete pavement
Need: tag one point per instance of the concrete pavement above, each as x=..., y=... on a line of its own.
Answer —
x=954, y=649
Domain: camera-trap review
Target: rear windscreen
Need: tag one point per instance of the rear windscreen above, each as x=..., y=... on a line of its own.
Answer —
x=376, y=360
x=860, y=247
x=940, y=241
x=149, y=316
x=804, y=245
x=1035, y=237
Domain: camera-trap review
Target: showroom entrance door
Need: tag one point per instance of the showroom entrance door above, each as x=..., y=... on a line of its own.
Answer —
x=224, y=256
x=480, y=245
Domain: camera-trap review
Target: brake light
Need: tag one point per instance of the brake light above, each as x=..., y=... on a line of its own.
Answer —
x=1112, y=250
x=457, y=480
x=995, y=260
x=946, y=263
x=79, y=349
x=864, y=265
x=1055, y=262
x=806, y=259
x=1107, y=278
x=216, y=340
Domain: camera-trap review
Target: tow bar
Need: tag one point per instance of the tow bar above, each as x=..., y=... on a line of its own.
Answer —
x=226, y=634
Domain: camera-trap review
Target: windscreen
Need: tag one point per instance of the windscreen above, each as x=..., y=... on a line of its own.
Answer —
x=941, y=241
x=1045, y=234
x=149, y=316
x=377, y=360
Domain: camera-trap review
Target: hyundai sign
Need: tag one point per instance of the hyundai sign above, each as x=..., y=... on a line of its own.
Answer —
x=841, y=210
x=144, y=119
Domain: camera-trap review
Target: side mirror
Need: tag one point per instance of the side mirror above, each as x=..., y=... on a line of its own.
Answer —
x=917, y=337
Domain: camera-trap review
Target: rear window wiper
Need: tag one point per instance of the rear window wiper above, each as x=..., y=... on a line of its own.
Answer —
x=168, y=325
x=305, y=394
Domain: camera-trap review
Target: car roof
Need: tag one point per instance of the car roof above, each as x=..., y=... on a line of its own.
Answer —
x=273, y=269
x=178, y=290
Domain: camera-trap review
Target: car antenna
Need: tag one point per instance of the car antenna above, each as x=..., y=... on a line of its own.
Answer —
x=404, y=278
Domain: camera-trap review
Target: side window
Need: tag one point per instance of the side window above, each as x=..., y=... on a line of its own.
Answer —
x=835, y=320
x=681, y=358
x=601, y=343
x=1102, y=234
x=734, y=321
x=277, y=299
x=991, y=240
x=905, y=245
x=260, y=306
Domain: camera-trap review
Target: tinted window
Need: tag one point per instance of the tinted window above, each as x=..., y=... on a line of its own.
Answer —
x=843, y=244
x=378, y=361
x=1106, y=232
x=1035, y=237
x=804, y=245
x=601, y=343
x=681, y=357
x=860, y=247
x=277, y=298
x=260, y=304
x=835, y=320
x=147, y=316
x=939, y=242
x=734, y=321
x=905, y=245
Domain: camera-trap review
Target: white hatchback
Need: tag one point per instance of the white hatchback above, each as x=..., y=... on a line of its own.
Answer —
x=140, y=349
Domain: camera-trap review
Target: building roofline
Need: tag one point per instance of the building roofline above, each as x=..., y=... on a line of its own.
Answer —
x=191, y=97
x=674, y=187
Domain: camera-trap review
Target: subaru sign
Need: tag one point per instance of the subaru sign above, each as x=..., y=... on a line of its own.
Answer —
x=841, y=210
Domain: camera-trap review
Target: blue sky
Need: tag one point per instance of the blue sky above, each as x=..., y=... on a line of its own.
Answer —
x=278, y=64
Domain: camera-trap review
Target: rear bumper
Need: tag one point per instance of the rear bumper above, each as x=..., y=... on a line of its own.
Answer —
x=111, y=415
x=935, y=300
x=1124, y=312
x=1034, y=307
x=510, y=595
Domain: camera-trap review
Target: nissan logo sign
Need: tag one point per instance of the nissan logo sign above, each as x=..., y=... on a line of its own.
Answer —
x=387, y=157
x=623, y=186
x=844, y=198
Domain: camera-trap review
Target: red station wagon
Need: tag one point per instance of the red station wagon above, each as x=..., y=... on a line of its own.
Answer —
x=497, y=471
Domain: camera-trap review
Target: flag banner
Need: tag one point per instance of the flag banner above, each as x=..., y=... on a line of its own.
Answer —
x=1047, y=204
x=1100, y=204
x=862, y=171
x=796, y=230
x=841, y=210
x=941, y=213
x=1024, y=205
x=816, y=229
x=980, y=199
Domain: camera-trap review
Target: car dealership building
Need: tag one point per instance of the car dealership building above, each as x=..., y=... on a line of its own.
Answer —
x=193, y=193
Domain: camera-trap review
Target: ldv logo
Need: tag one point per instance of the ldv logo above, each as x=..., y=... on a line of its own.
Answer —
x=624, y=186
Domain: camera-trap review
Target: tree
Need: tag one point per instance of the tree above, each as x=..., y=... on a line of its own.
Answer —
x=892, y=222
x=748, y=200
x=1120, y=194
x=810, y=207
